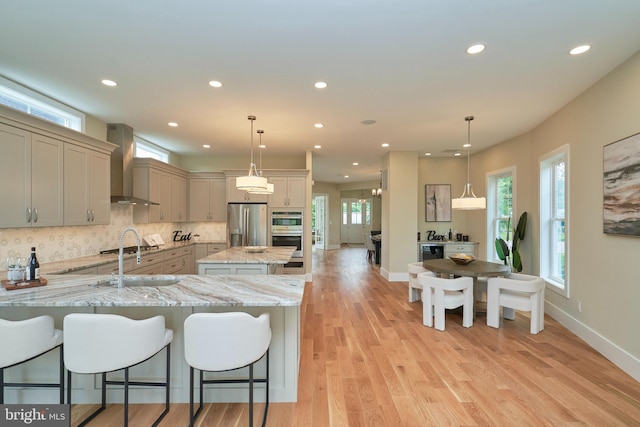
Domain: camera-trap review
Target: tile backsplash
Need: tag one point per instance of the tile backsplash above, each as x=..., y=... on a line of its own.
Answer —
x=61, y=243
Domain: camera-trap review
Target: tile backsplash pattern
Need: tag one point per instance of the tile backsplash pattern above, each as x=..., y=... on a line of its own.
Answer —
x=61, y=243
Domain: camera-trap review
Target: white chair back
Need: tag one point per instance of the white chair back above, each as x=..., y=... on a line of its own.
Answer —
x=223, y=341
x=517, y=292
x=108, y=342
x=415, y=288
x=24, y=339
x=439, y=294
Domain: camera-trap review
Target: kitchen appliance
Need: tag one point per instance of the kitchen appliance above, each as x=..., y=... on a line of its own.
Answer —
x=122, y=165
x=246, y=224
x=287, y=230
x=430, y=251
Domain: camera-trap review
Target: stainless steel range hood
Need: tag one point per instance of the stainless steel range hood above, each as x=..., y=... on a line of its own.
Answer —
x=122, y=165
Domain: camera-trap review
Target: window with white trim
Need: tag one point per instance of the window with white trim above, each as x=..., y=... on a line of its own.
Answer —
x=554, y=227
x=147, y=149
x=30, y=102
x=500, y=209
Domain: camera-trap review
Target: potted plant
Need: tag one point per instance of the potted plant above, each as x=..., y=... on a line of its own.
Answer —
x=512, y=257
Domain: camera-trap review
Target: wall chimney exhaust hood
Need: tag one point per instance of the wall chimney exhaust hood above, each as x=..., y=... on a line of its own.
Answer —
x=122, y=165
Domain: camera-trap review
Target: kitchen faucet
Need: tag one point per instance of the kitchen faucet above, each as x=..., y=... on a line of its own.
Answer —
x=121, y=255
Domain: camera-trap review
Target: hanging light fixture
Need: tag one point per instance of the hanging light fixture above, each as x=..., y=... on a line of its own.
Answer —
x=362, y=199
x=269, y=189
x=377, y=192
x=468, y=201
x=252, y=181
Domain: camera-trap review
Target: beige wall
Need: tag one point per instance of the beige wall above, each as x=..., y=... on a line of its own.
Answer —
x=604, y=274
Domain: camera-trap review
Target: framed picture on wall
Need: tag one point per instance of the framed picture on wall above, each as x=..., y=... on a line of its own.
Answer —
x=437, y=200
x=621, y=198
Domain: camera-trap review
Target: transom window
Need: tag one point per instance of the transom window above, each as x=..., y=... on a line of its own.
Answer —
x=28, y=101
x=554, y=230
x=147, y=149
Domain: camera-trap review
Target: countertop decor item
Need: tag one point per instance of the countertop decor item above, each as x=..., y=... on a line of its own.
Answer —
x=23, y=284
x=462, y=259
x=255, y=249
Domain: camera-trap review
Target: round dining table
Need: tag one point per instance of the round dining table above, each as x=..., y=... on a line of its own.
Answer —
x=474, y=269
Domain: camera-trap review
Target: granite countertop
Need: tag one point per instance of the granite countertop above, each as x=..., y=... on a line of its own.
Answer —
x=239, y=255
x=189, y=291
x=71, y=265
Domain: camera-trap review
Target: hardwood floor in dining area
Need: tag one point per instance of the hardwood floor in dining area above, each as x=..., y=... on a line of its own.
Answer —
x=367, y=360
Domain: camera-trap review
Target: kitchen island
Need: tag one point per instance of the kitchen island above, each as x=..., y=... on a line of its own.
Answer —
x=280, y=296
x=246, y=260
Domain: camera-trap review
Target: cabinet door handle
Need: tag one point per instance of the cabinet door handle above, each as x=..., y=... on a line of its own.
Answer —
x=88, y=215
x=35, y=215
x=93, y=215
x=28, y=215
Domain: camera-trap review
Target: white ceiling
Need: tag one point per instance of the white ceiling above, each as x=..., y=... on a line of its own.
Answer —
x=400, y=63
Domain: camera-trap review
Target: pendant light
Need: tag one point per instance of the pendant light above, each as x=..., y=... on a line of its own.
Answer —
x=377, y=192
x=468, y=201
x=269, y=189
x=252, y=181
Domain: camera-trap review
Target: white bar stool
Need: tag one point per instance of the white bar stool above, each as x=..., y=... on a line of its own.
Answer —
x=215, y=342
x=24, y=340
x=102, y=343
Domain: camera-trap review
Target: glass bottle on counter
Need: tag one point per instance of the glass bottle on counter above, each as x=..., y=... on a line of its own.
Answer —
x=33, y=266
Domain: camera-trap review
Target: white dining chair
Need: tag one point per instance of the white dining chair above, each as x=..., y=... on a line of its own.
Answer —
x=104, y=343
x=439, y=294
x=516, y=292
x=415, y=288
x=25, y=340
x=215, y=342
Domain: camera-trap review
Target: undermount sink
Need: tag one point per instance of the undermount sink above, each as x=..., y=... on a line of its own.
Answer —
x=141, y=282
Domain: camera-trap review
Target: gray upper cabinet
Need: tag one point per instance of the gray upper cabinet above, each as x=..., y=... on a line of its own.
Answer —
x=31, y=191
x=87, y=186
x=207, y=197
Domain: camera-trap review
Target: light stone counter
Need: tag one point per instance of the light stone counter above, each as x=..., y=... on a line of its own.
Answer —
x=280, y=296
x=239, y=260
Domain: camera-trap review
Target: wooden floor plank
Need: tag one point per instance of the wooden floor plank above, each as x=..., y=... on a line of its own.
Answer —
x=367, y=360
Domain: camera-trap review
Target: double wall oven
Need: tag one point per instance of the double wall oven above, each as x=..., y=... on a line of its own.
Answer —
x=287, y=229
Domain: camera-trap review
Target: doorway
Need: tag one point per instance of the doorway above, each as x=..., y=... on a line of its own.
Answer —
x=355, y=222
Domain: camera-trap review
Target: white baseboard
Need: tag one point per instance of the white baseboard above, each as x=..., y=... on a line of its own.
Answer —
x=620, y=357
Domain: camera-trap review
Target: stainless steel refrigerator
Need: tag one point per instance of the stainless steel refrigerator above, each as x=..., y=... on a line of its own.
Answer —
x=247, y=224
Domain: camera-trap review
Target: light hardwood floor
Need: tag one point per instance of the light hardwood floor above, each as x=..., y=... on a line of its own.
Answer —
x=367, y=360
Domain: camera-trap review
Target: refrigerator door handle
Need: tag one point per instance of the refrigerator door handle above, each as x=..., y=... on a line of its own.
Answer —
x=245, y=227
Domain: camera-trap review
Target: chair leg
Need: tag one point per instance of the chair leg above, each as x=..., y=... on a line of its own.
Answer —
x=438, y=296
x=1, y=386
x=467, y=308
x=266, y=407
x=61, y=365
x=427, y=307
x=493, y=307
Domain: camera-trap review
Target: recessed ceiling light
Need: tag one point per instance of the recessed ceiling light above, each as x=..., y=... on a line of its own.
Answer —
x=355, y=163
x=580, y=49
x=385, y=144
x=467, y=145
x=317, y=146
x=262, y=146
x=108, y=82
x=457, y=154
x=320, y=85
x=368, y=122
x=215, y=83
x=173, y=124
x=346, y=176
x=427, y=154
x=319, y=125
x=206, y=146
x=476, y=48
